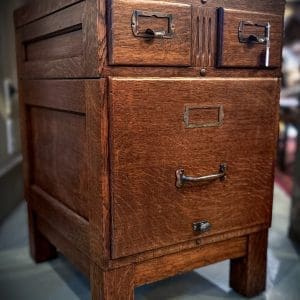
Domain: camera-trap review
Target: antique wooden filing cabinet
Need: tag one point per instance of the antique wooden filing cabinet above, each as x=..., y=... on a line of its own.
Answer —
x=149, y=131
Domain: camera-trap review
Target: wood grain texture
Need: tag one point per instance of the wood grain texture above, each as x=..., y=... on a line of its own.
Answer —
x=112, y=284
x=109, y=71
x=204, y=35
x=57, y=47
x=100, y=155
x=126, y=49
x=37, y=9
x=94, y=37
x=248, y=274
x=75, y=228
x=148, y=211
x=188, y=245
x=66, y=95
x=265, y=6
x=59, y=69
x=53, y=46
x=184, y=261
x=40, y=247
x=65, y=246
x=98, y=171
x=59, y=21
x=58, y=156
x=68, y=43
x=233, y=53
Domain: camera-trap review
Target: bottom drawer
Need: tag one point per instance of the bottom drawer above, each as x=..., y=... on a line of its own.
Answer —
x=160, y=126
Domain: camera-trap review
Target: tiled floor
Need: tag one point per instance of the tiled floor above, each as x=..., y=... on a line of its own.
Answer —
x=20, y=278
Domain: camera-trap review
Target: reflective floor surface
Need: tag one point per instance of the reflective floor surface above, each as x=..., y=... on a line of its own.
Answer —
x=21, y=278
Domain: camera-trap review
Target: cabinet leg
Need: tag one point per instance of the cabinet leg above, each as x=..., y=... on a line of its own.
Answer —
x=40, y=248
x=248, y=274
x=114, y=284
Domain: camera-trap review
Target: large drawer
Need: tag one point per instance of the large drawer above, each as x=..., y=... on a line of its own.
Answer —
x=150, y=33
x=159, y=126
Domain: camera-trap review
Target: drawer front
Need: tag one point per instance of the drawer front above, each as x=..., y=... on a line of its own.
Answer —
x=160, y=126
x=150, y=33
x=249, y=39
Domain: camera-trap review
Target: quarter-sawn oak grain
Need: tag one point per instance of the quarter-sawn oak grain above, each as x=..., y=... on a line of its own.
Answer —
x=149, y=142
x=104, y=128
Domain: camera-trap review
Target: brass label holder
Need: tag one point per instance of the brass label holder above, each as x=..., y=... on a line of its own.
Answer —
x=254, y=38
x=203, y=124
x=150, y=33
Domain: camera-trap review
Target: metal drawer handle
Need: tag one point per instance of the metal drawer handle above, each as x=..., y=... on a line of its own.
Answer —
x=154, y=34
x=181, y=178
x=252, y=38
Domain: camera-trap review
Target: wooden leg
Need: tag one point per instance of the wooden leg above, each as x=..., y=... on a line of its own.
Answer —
x=248, y=274
x=40, y=248
x=114, y=284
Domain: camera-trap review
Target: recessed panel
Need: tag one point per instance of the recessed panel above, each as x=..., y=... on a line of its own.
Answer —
x=57, y=153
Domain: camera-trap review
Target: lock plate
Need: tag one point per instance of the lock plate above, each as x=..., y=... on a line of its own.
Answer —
x=201, y=226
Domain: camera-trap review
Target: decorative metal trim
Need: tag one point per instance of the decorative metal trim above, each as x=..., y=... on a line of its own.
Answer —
x=150, y=33
x=253, y=38
x=257, y=39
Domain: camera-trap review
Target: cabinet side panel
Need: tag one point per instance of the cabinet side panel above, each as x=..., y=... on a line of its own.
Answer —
x=56, y=114
x=54, y=135
x=63, y=43
x=37, y=9
x=58, y=145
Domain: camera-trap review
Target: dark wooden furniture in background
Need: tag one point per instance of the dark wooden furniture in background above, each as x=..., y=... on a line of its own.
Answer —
x=120, y=100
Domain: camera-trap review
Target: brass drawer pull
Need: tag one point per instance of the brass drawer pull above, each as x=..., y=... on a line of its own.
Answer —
x=181, y=178
x=154, y=34
x=150, y=33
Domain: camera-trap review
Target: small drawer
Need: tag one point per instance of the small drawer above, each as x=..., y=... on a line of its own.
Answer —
x=150, y=33
x=249, y=39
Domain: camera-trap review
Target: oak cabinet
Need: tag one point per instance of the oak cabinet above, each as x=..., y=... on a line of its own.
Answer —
x=149, y=131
